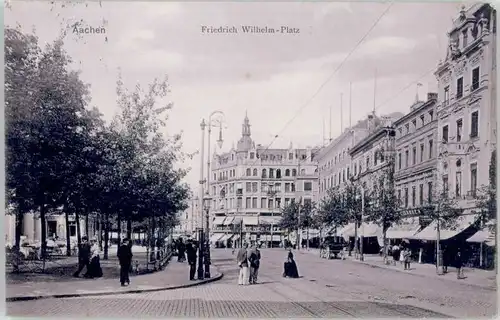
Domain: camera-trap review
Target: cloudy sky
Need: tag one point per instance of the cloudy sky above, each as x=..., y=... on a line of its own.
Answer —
x=271, y=76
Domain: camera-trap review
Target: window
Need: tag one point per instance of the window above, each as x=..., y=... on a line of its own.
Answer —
x=414, y=124
x=399, y=161
x=271, y=173
x=287, y=187
x=446, y=95
x=278, y=174
x=422, y=120
x=254, y=186
x=474, y=128
x=248, y=187
x=473, y=179
x=414, y=156
x=249, y=172
x=464, y=38
x=278, y=202
x=254, y=172
x=375, y=158
x=459, y=130
x=252, y=155
x=293, y=187
x=475, y=79
x=458, y=184
x=430, y=148
x=270, y=203
x=290, y=156
x=429, y=192
x=422, y=151
x=367, y=162
x=263, y=203
x=307, y=186
x=294, y=172
x=254, y=202
x=302, y=172
x=263, y=187
x=239, y=203
x=287, y=172
x=421, y=194
x=277, y=187
x=264, y=173
x=444, y=137
x=407, y=128
x=407, y=158
x=406, y=197
x=460, y=87
x=445, y=184
x=431, y=115
x=248, y=202
x=307, y=202
x=413, y=196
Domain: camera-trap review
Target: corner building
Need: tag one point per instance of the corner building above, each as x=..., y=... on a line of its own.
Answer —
x=250, y=184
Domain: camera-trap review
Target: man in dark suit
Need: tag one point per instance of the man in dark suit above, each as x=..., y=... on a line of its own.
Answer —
x=83, y=256
x=125, y=257
x=191, y=257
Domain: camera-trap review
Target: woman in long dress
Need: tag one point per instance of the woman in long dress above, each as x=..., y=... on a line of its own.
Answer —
x=290, y=267
x=95, y=270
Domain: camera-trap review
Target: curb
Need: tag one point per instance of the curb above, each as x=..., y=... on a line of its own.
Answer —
x=107, y=293
x=422, y=275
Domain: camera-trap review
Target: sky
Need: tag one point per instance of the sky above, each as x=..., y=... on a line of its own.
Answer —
x=288, y=84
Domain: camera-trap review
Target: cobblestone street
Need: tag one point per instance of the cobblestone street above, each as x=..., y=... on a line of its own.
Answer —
x=326, y=289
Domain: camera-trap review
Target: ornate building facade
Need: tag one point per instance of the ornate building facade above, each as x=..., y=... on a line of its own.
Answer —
x=251, y=183
x=466, y=109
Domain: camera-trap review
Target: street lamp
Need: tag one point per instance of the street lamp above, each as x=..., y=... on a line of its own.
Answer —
x=207, y=200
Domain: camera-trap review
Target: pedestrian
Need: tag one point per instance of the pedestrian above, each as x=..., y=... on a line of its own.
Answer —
x=407, y=258
x=125, y=258
x=395, y=253
x=254, y=259
x=242, y=260
x=94, y=269
x=191, y=257
x=446, y=258
x=83, y=257
x=290, y=267
x=459, y=264
x=181, y=251
x=401, y=257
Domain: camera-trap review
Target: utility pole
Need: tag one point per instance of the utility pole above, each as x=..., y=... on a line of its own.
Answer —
x=201, y=237
x=361, y=257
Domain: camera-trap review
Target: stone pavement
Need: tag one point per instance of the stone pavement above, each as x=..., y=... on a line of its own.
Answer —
x=474, y=277
x=175, y=275
x=273, y=297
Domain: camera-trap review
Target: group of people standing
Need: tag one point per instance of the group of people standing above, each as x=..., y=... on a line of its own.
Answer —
x=89, y=258
x=401, y=254
x=187, y=249
x=249, y=263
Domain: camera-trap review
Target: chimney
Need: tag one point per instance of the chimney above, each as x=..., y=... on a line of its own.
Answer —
x=432, y=96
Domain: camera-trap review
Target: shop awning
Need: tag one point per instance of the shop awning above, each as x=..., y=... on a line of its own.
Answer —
x=235, y=237
x=251, y=221
x=215, y=237
x=406, y=228
x=430, y=232
x=218, y=221
x=269, y=220
x=346, y=230
x=228, y=221
x=368, y=230
x=480, y=236
x=267, y=237
x=224, y=237
x=485, y=235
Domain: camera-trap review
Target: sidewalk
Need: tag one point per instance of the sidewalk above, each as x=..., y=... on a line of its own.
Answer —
x=175, y=275
x=474, y=277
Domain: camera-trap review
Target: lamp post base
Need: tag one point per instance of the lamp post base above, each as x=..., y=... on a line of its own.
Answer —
x=200, y=255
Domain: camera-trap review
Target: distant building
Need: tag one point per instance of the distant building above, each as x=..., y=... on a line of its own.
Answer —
x=249, y=186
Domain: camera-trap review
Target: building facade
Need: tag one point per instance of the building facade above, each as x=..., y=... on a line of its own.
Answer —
x=466, y=109
x=416, y=153
x=251, y=183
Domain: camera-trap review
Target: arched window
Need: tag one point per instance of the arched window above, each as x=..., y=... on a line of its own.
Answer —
x=278, y=174
x=264, y=173
x=302, y=172
x=249, y=172
x=294, y=172
x=255, y=172
x=287, y=172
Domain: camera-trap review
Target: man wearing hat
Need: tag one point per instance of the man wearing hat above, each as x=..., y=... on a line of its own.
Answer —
x=83, y=256
x=125, y=257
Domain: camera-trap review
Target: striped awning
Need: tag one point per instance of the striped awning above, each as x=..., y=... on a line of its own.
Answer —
x=228, y=221
x=485, y=235
x=215, y=237
x=406, y=228
x=225, y=237
x=218, y=221
x=462, y=223
x=251, y=221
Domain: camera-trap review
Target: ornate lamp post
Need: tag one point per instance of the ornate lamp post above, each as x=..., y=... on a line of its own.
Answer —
x=205, y=199
x=206, y=258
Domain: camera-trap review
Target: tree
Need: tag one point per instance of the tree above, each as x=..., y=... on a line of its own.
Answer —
x=487, y=195
x=331, y=211
x=44, y=101
x=442, y=210
x=306, y=220
x=355, y=198
x=384, y=212
x=289, y=217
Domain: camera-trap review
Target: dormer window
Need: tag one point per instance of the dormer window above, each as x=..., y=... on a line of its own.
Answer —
x=464, y=35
